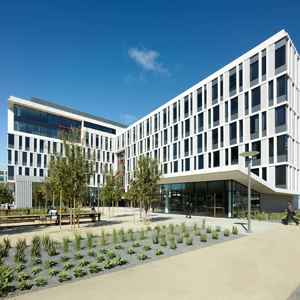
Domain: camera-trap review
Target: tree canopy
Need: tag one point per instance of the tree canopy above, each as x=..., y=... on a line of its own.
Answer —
x=5, y=194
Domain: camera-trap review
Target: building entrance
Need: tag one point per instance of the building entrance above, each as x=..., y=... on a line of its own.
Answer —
x=215, y=205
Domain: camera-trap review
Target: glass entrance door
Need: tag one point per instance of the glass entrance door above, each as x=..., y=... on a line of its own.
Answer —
x=215, y=205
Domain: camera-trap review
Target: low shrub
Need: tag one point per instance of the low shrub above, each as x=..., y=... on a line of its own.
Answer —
x=64, y=258
x=171, y=237
x=6, y=275
x=103, y=239
x=179, y=239
x=77, y=241
x=163, y=241
x=136, y=244
x=107, y=264
x=186, y=233
x=63, y=276
x=203, y=238
x=189, y=241
x=21, y=276
x=99, y=258
x=215, y=235
x=111, y=254
x=195, y=226
x=78, y=256
x=142, y=256
x=226, y=232
x=68, y=266
x=208, y=229
x=118, y=246
x=35, y=261
x=65, y=244
x=171, y=226
x=218, y=228
x=50, y=263
x=92, y=253
x=83, y=263
x=158, y=252
x=103, y=250
x=130, y=251
x=122, y=237
x=147, y=247
x=36, y=270
x=155, y=239
x=118, y=260
x=53, y=272
x=89, y=240
x=173, y=245
x=20, y=267
x=197, y=232
x=148, y=228
x=142, y=234
x=203, y=223
x=40, y=281
x=94, y=268
x=35, y=246
x=182, y=226
x=79, y=272
x=23, y=285
x=234, y=230
x=114, y=236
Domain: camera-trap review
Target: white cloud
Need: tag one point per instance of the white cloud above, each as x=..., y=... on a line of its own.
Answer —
x=130, y=78
x=147, y=58
x=128, y=119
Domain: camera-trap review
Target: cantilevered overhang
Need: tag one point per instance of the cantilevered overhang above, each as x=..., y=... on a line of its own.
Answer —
x=238, y=174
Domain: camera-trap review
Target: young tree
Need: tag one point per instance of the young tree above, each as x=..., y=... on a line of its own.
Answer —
x=5, y=194
x=145, y=176
x=111, y=189
x=132, y=194
x=37, y=193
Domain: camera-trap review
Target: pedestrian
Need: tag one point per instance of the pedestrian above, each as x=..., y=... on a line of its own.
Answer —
x=188, y=208
x=290, y=214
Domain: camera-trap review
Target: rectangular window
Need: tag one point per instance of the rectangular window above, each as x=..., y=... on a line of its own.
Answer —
x=200, y=162
x=20, y=142
x=215, y=138
x=174, y=113
x=209, y=160
x=45, y=161
x=205, y=141
x=31, y=159
x=165, y=136
x=41, y=146
x=264, y=174
x=39, y=160
x=234, y=155
x=10, y=172
x=175, y=166
x=241, y=130
x=282, y=148
x=263, y=65
x=246, y=103
x=27, y=143
x=35, y=145
x=256, y=99
x=24, y=158
x=165, y=118
x=221, y=87
x=254, y=70
x=280, y=119
x=280, y=55
x=209, y=118
x=175, y=151
x=271, y=92
x=41, y=172
x=199, y=99
x=254, y=126
x=205, y=97
x=9, y=157
x=256, y=158
x=34, y=172
x=11, y=141
x=216, y=115
x=234, y=108
x=20, y=170
x=199, y=143
x=214, y=91
x=264, y=123
x=26, y=171
x=226, y=157
x=16, y=158
x=191, y=145
x=176, y=132
x=216, y=159
x=281, y=89
x=271, y=150
x=226, y=111
x=232, y=133
x=186, y=106
x=232, y=82
x=200, y=122
x=186, y=147
x=155, y=127
x=240, y=77
x=187, y=164
x=280, y=176
x=187, y=127
x=222, y=135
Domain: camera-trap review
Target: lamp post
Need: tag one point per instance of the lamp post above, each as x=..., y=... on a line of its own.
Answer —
x=248, y=155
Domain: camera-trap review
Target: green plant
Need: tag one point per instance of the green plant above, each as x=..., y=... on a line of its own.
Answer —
x=40, y=281
x=20, y=250
x=203, y=238
x=203, y=223
x=171, y=237
x=157, y=228
x=45, y=239
x=114, y=236
x=77, y=241
x=162, y=234
x=107, y=264
x=129, y=230
x=91, y=253
x=68, y=266
x=20, y=267
x=99, y=258
x=208, y=229
x=218, y=228
x=179, y=239
x=155, y=239
x=103, y=239
x=186, y=233
x=182, y=226
x=64, y=258
x=215, y=235
x=20, y=276
x=195, y=226
x=79, y=272
x=173, y=244
x=130, y=251
x=197, y=232
x=89, y=241
x=142, y=234
x=94, y=268
x=24, y=285
x=65, y=244
x=83, y=263
x=36, y=270
x=6, y=275
x=136, y=244
x=163, y=226
x=111, y=254
x=171, y=226
x=176, y=225
x=148, y=228
x=122, y=237
x=63, y=276
x=163, y=241
x=131, y=238
x=243, y=216
x=158, y=252
x=103, y=250
x=49, y=263
x=235, y=230
x=226, y=232
x=118, y=246
x=53, y=272
x=78, y=256
x=120, y=231
x=118, y=260
x=35, y=261
x=107, y=234
x=147, y=247
x=35, y=246
x=189, y=241
x=142, y=256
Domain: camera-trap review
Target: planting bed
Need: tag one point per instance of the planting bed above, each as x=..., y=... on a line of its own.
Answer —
x=132, y=259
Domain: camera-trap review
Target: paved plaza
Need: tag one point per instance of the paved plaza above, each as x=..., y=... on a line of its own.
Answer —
x=261, y=265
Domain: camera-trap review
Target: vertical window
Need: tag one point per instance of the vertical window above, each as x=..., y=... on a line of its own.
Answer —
x=263, y=65
x=264, y=174
x=20, y=142
x=281, y=89
x=271, y=150
x=31, y=159
x=214, y=91
x=254, y=125
x=186, y=147
x=221, y=87
x=179, y=110
x=174, y=114
x=24, y=158
x=27, y=143
x=191, y=103
x=16, y=158
x=187, y=127
x=271, y=92
x=10, y=172
x=34, y=172
x=199, y=99
x=205, y=97
x=35, y=145
x=264, y=123
x=241, y=131
x=39, y=160
x=232, y=82
x=26, y=171
x=209, y=118
x=226, y=157
x=246, y=103
x=41, y=172
x=256, y=158
x=176, y=132
x=41, y=146
x=280, y=119
x=234, y=155
x=200, y=162
x=191, y=145
x=280, y=55
x=216, y=115
x=222, y=135
x=216, y=159
x=234, y=108
x=20, y=170
x=9, y=157
x=232, y=133
x=209, y=160
x=187, y=164
x=186, y=106
x=226, y=111
x=205, y=141
x=165, y=136
x=240, y=77
x=200, y=122
x=175, y=151
x=165, y=118
x=280, y=176
x=256, y=99
x=254, y=70
x=199, y=143
x=11, y=141
x=45, y=161
x=215, y=138
x=282, y=148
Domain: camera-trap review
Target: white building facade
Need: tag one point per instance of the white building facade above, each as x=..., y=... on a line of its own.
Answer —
x=252, y=104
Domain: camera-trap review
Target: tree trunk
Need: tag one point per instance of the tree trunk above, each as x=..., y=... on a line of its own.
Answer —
x=134, y=212
x=53, y=200
x=112, y=208
x=60, y=210
x=78, y=216
x=74, y=215
x=148, y=216
x=108, y=209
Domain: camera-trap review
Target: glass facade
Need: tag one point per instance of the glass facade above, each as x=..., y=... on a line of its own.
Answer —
x=223, y=198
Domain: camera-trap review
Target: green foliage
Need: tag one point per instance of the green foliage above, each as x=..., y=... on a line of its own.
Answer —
x=20, y=250
x=64, y=258
x=179, y=239
x=226, y=232
x=171, y=237
x=147, y=247
x=103, y=250
x=49, y=245
x=40, y=281
x=35, y=261
x=50, y=263
x=77, y=241
x=120, y=231
x=79, y=272
x=92, y=253
x=20, y=267
x=189, y=241
x=103, y=239
x=130, y=251
x=118, y=246
x=36, y=270
x=107, y=264
x=4, y=248
x=208, y=229
x=215, y=235
x=63, y=276
x=218, y=228
x=195, y=226
x=171, y=226
x=203, y=237
x=129, y=230
x=45, y=240
x=163, y=241
x=20, y=276
x=99, y=258
x=176, y=225
x=94, y=268
x=37, y=193
x=122, y=237
x=148, y=228
x=53, y=272
x=118, y=260
x=155, y=239
x=24, y=285
x=131, y=236
x=89, y=240
x=142, y=256
x=78, y=256
x=157, y=228
x=142, y=234
x=203, y=223
x=173, y=244
x=5, y=194
x=6, y=275
x=197, y=232
x=111, y=254
x=186, y=233
x=136, y=244
x=83, y=263
x=68, y=266
x=163, y=226
x=235, y=230
x=182, y=226
x=114, y=236
x=65, y=245
x=158, y=252
x=35, y=246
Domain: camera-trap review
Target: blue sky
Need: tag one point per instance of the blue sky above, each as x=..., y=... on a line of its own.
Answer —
x=120, y=60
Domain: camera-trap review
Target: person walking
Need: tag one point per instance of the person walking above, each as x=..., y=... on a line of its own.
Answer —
x=290, y=214
x=188, y=208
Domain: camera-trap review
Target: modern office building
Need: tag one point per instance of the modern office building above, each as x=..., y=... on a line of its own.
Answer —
x=3, y=176
x=250, y=104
